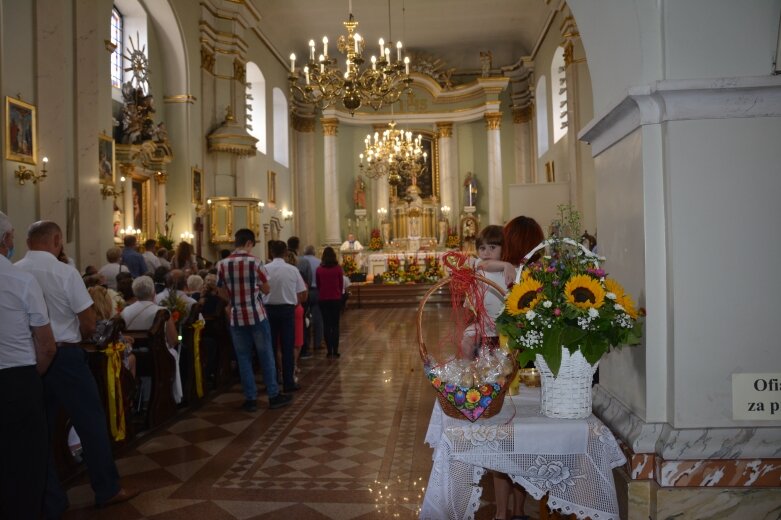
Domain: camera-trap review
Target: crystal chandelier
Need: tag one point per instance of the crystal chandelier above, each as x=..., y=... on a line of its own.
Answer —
x=394, y=154
x=323, y=83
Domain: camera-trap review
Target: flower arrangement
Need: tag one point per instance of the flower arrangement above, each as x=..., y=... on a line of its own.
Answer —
x=566, y=300
x=395, y=272
x=412, y=273
x=433, y=269
x=348, y=265
x=375, y=240
x=452, y=242
x=175, y=306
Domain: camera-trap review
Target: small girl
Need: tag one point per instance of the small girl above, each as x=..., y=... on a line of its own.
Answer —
x=489, y=265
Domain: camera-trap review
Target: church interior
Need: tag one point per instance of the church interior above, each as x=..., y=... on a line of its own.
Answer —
x=657, y=121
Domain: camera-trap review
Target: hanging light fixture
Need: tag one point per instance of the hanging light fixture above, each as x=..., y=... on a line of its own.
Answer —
x=322, y=83
x=395, y=154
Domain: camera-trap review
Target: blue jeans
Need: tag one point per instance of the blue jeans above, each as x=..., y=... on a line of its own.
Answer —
x=245, y=337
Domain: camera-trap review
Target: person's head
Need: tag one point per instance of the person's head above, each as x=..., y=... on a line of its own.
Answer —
x=175, y=280
x=45, y=235
x=125, y=286
x=489, y=243
x=224, y=253
x=130, y=241
x=277, y=248
x=184, y=253
x=90, y=270
x=293, y=244
x=103, y=305
x=150, y=244
x=521, y=235
x=144, y=289
x=309, y=250
x=160, y=274
x=93, y=280
x=350, y=237
x=329, y=257
x=210, y=283
x=113, y=254
x=6, y=236
x=194, y=283
x=244, y=239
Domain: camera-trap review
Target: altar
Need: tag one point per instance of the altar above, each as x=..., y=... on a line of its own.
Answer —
x=377, y=262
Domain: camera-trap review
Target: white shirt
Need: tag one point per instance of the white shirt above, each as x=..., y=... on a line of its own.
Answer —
x=140, y=315
x=64, y=292
x=110, y=271
x=285, y=282
x=152, y=262
x=21, y=306
x=351, y=246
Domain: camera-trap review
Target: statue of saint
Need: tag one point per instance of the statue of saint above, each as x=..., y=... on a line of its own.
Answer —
x=470, y=190
x=359, y=193
x=414, y=210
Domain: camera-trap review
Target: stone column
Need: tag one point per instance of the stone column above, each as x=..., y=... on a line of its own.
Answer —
x=523, y=149
x=573, y=123
x=333, y=234
x=445, y=137
x=494, y=195
x=161, y=178
x=304, y=172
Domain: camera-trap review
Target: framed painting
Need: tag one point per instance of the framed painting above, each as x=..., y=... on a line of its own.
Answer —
x=21, y=141
x=141, y=204
x=428, y=180
x=106, y=163
x=272, y=187
x=197, y=186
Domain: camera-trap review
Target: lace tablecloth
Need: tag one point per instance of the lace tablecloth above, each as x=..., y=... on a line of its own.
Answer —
x=570, y=459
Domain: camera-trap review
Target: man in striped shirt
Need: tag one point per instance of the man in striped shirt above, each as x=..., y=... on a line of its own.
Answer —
x=242, y=278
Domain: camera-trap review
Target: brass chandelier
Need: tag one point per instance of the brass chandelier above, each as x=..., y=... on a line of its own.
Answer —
x=322, y=83
x=394, y=154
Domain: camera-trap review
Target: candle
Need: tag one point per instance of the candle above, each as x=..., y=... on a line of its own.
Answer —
x=357, y=40
x=360, y=156
x=382, y=47
x=398, y=51
x=387, y=55
x=374, y=62
x=292, y=62
x=406, y=65
x=321, y=59
x=306, y=72
x=325, y=46
x=311, y=50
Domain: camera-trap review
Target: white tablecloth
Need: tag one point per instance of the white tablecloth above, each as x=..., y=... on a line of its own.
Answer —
x=571, y=459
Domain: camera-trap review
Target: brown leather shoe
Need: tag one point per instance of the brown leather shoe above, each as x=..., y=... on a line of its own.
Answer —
x=122, y=496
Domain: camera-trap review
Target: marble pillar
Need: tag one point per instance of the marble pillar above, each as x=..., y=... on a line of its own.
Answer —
x=304, y=173
x=333, y=234
x=495, y=195
x=522, y=141
x=161, y=178
x=574, y=158
x=447, y=176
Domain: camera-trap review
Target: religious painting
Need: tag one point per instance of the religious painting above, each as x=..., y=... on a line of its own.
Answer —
x=197, y=186
x=141, y=203
x=272, y=187
x=428, y=180
x=20, y=133
x=106, y=164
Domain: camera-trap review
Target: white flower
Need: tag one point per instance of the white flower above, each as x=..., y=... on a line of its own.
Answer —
x=610, y=296
x=547, y=304
x=593, y=313
x=618, y=307
x=530, y=315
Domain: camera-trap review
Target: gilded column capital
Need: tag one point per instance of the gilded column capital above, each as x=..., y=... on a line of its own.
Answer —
x=303, y=124
x=161, y=177
x=445, y=129
x=330, y=126
x=207, y=59
x=522, y=115
x=126, y=169
x=493, y=120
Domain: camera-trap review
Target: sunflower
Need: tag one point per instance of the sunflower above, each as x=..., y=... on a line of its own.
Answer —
x=626, y=302
x=584, y=292
x=614, y=287
x=523, y=296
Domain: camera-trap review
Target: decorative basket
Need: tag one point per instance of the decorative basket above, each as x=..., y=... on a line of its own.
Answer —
x=492, y=395
x=568, y=395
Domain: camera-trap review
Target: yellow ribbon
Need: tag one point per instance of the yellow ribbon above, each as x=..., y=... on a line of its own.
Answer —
x=116, y=405
x=197, y=326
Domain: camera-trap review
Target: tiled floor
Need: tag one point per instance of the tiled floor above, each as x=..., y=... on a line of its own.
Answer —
x=349, y=447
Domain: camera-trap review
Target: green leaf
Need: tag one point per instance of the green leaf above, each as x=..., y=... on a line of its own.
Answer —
x=571, y=335
x=551, y=349
x=591, y=350
x=525, y=356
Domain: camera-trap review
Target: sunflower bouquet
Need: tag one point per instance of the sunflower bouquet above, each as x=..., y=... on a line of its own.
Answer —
x=375, y=241
x=566, y=300
x=349, y=266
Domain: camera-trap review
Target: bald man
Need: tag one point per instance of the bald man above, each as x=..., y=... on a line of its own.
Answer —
x=69, y=382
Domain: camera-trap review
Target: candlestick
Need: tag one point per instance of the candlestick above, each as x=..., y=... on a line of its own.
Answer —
x=292, y=62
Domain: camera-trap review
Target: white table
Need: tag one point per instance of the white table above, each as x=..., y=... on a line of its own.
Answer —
x=569, y=459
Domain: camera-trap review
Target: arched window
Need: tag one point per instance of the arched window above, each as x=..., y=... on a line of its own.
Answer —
x=541, y=104
x=116, y=56
x=558, y=80
x=281, y=152
x=256, y=105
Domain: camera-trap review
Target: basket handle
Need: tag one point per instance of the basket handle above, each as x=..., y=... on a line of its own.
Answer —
x=441, y=283
x=551, y=241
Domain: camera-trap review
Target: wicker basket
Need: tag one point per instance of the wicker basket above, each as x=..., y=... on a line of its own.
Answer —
x=568, y=395
x=449, y=408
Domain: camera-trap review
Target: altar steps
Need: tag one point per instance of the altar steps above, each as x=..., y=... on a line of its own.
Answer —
x=370, y=295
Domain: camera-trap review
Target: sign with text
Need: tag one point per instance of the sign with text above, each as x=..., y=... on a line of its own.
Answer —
x=756, y=397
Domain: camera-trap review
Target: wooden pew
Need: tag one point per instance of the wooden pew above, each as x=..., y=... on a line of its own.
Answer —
x=154, y=360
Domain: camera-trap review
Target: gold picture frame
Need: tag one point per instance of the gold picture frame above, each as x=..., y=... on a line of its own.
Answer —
x=106, y=160
x=272, y=187
x=21, y=137
x=550, y=172
x=141, y=204
x=197, y=188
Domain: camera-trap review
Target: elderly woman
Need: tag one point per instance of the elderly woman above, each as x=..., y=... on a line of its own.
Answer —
x=141, y=315
x=110, y=270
